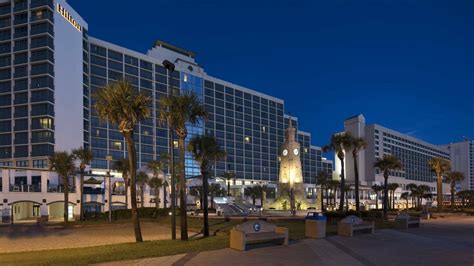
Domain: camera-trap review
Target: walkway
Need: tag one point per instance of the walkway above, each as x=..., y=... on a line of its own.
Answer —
x=30, y=237
x=448, y=241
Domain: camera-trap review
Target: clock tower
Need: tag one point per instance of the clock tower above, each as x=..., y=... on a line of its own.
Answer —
x=290, y=162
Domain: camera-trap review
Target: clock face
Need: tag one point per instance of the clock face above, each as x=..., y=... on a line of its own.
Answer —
x=296, y=151
x=285, y=152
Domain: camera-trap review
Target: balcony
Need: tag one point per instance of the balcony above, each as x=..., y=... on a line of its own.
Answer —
x=119, y=192
x=25, y=188
x=93, y=191
x=60, y=189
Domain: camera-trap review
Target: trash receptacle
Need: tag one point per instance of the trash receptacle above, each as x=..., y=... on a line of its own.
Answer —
x=315, y=225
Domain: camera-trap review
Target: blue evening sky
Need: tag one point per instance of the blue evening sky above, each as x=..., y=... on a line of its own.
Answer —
x=405, y=64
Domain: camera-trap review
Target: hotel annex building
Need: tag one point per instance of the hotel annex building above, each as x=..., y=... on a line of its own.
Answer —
x=50, y=67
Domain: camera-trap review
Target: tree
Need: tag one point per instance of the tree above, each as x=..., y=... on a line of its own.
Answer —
x=157, y=167
x=156, y=183
x=356, y=145
x=63, y=164
x=322, y=180
x=439, y=166
x=377, y=188
x=387, y=164
x=392, y=187
x=454, y=177
x=196, y=191
x=85, y=157
x=215, y=190
x=335, y=186
x=142, y=180
x=122, y=106
x=205, y=150
x=347, y=189
x=122, y=166
x=412, y=188
x=179, y=111
x=405, y=196
x=420, y=191
x=229, y=176
x=338, y=143
x=253, y=192
x=466, y=195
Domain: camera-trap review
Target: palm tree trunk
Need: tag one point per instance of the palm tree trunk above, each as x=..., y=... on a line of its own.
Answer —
x=205, y=192
x=81, y=205
x=182, y=190
x=164, y=196
x=322, y=199
x=142, y=195
x=157, y=198
x=376, y=200
x=440, y=192
x=385, y=195
x=452, y=195
x=66, y=199
x=343, y=184
x=327, y=197
x=228, y=188
x=126, y=192
x=133, y=187
x=356, y=180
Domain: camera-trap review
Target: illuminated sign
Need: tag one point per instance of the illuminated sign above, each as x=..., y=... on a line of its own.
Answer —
x=61, y=10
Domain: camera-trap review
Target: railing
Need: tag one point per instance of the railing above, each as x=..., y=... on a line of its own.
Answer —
x=118, y=192
x=60, y=189
x=25, y=188
x=93, y=191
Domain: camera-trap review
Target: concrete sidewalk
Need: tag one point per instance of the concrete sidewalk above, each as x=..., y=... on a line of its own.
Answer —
x=448, y=241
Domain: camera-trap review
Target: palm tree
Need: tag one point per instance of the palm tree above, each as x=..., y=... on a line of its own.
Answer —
x=156, y=183
x=322, y=180
x=392, y=187
x=121, y=105
x=335, y=186
x=439, y=166
x=338, y=143
x=387, y=164
x=142, y=180
x=157, y=167
x=63, y=164
x=377, y=188
x=420, y=191
x=347, y=189
x=85, y=157
x=215, y=190
x=179, y=111
x=454, y=177
x=196, y=191
x=405, y=196
x=412, y=188
x=122, y=166
x=252, y=192
x=205, y=150
x=228, y=176
x=357, y=144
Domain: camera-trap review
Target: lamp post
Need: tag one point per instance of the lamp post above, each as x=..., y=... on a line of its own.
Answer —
x=109, y=158
x=170, y=67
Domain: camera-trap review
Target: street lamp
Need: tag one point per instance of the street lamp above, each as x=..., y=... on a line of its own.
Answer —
x=109, y=158
x=170, y=67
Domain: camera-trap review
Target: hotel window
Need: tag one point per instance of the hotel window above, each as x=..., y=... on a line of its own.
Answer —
x=247, y=139
x=116, y=145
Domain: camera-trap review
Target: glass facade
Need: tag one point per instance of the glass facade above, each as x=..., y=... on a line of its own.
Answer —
x=26, y=82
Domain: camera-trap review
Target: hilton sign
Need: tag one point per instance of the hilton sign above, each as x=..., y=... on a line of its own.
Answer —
x=61, y=10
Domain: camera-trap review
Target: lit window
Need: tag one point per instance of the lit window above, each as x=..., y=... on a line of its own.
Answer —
x=306, y=150
x=264, y=129
x=146, y=133
x=175, y=143
x=247, y=139
x=117, y=145
x=185, y=78
x=45, y=122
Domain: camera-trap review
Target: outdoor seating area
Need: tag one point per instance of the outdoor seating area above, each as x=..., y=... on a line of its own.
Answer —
x=404, y=221
x=352, y=223
x=257, y=231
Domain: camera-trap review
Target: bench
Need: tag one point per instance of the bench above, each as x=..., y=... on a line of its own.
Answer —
x=256, y=231
x=404, y=221
x=352, y=223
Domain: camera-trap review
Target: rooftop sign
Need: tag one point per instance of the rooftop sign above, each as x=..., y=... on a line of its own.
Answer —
x=61, y=10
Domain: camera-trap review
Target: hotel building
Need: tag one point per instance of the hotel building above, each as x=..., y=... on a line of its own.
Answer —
x=50, y=67
x=413, y=154
x=462, y=160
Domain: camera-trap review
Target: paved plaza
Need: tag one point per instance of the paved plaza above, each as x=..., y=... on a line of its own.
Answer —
x=30, y=237
x=448, y=241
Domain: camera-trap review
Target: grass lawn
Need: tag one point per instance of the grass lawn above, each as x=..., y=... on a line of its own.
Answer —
x=129, y=251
